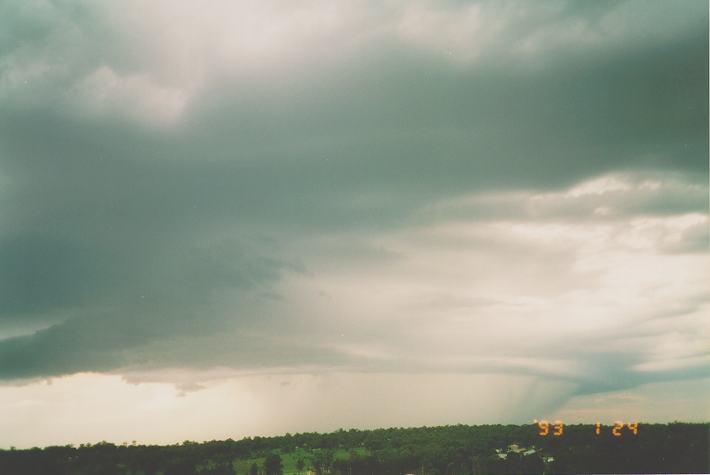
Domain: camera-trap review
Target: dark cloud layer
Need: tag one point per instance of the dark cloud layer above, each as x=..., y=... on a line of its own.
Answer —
x=119, y=237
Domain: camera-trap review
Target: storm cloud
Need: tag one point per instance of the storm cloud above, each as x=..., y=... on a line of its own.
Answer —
x=380, y=187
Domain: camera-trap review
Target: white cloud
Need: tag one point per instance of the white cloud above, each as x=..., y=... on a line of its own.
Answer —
x=602, y=199
x=468, y=294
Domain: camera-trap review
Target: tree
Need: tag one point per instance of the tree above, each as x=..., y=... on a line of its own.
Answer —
x=300, y=465
x=220, y=469
x=273, y=465
x=322, y=461
x=254, y=469
x=180, y=467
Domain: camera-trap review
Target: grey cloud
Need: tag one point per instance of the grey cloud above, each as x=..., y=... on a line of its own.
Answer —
x=138, y=230
x=41, y=274
x=141, y=341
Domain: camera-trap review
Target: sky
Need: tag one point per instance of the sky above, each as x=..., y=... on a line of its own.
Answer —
x=236, y=218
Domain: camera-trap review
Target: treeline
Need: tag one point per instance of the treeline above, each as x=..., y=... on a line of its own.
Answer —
x=447, y=450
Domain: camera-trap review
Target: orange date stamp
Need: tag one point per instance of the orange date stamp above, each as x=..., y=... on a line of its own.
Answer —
x=557, y=428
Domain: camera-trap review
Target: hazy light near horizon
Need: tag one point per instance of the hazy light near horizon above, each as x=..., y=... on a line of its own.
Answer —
x=67, y=411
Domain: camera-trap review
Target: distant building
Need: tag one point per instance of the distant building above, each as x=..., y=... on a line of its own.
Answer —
x=515, y=449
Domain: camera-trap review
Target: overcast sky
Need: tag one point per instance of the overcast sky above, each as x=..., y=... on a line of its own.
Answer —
x=221, y=219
